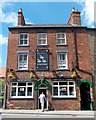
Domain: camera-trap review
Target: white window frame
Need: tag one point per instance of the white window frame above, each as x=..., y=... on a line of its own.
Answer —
x=16, y=86
x=68, y=86
x=41, y=39
x=61, y=39
x=62, y=62
x=23, y=39
x=21, y=62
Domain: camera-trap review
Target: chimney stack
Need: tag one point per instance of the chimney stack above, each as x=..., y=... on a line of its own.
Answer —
x=74, y=17
x=21, y=20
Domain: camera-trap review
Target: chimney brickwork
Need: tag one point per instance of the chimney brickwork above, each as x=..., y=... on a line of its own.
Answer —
x=21, y=20
x=74, y=17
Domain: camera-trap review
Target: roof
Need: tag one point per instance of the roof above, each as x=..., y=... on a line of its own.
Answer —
x=47, y=26
x=2, y=72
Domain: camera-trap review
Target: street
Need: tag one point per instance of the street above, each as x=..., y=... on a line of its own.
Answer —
x=48, y=119
x=52, y=115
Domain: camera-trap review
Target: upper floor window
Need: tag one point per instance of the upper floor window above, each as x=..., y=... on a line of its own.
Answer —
x=60, y=38
x=62, y=60
x=23, y=61
x=42, y=39
x=65, y=89
x=23, y=40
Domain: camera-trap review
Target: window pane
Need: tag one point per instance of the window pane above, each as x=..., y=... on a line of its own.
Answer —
x=55, y=91
x=21, y=36
x=20, y=57
x=55, y=83
x=25, y=36
x=25, y=41
x=63, y=91
x=71, y=90
x=29, y=91
x=71, y=83
x=14, y=84
x=62, y=83
x=29, y=83
x=13, y=92
x=21, y=84
x=21, y=91
x=25, y=57
x=21, y=41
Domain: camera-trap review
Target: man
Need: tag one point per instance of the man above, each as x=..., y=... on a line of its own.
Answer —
x=42, y=100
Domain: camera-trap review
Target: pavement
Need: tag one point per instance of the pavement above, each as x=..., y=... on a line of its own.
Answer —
x=14, y=114
x=88, y=114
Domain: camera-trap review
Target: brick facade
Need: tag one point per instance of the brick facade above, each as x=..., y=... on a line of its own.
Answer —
x=78, y=53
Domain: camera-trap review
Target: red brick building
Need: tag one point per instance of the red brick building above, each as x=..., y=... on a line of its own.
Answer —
x=53, y=58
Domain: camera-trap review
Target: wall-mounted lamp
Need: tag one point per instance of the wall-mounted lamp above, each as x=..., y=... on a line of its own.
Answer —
x=60, y=74
x=74, y=74
x=32, y=75
x=11, y=74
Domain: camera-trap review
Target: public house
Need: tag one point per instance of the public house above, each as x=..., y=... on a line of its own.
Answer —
x=53, y=58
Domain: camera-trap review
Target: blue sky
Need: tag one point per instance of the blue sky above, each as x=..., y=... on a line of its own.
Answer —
x=40, y=13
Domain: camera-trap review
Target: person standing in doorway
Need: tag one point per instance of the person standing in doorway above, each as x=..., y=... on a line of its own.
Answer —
x=42, y=100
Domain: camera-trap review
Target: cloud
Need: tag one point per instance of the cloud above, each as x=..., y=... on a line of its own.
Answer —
x=3, y=40
x=7, y=17
x=0, y=60
x=88, y=12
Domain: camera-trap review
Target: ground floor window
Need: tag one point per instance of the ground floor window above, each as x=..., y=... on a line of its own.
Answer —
x=65, y=89
x=21, y=90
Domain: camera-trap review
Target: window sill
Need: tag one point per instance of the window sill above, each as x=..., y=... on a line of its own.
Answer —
x=61, y=45
x=59, y=98
x=42, y=45
x=23, y=45
x=63, y=69
x=22, y=70
x=21, y=98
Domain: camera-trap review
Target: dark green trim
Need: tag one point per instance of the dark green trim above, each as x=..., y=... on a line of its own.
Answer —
x=85, y=81
x=21, y=80
x=40, y=82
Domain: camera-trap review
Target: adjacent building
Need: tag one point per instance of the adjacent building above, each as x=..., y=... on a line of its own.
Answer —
x=2, y=84
x=2, y=78
x=53, y=58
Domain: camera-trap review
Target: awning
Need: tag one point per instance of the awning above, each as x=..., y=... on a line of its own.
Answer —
x=40, y=82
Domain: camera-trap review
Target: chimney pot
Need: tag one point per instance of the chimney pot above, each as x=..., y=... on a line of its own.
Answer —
x=20, y=10
x=73, y=9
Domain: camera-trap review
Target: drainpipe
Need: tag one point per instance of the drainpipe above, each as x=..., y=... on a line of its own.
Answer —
x=76, y=65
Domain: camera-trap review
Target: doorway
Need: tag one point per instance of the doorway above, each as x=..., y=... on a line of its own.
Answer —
x=42, y=89
x=85, y=96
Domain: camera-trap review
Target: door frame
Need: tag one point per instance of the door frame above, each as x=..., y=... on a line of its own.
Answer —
x=85, y=96
x=42, y=88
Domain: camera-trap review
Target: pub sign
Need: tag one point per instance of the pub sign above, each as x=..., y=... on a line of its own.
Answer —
x=42, y=60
